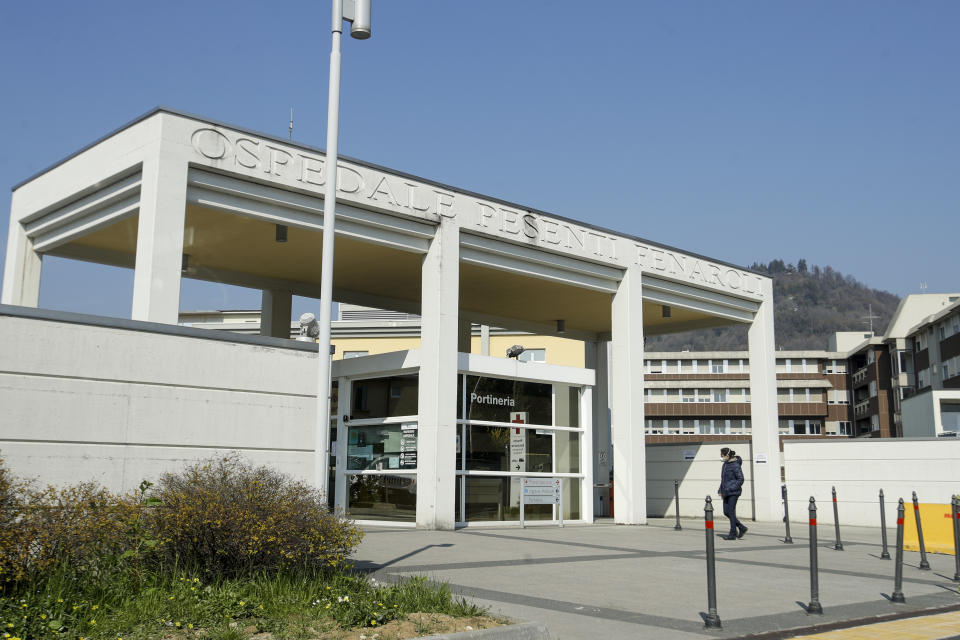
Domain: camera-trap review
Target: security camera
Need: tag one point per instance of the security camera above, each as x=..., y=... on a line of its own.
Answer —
x=309, y=328
x=515, y=351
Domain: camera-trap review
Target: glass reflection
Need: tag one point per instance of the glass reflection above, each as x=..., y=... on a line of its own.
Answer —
x=382, y=497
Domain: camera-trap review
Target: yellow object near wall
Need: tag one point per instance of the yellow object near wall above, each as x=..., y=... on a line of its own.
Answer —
x=937, y=528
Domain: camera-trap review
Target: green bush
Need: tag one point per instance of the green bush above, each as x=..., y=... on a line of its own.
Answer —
x=82, y=529
x=227, y=518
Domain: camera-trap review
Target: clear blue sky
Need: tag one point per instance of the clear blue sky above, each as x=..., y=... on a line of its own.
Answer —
x=745, y=131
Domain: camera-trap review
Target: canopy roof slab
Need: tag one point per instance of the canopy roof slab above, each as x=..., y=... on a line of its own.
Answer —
x=226, y=189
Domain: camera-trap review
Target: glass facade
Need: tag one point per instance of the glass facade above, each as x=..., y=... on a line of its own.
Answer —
x=509, y=429
x=506, y=429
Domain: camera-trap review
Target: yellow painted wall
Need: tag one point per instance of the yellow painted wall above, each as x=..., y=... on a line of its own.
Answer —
x=560, y=351
x=937, y=528
x=373, y=345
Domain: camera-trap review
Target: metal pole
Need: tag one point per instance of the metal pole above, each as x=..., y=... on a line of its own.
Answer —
x=326, y=264
x=897, y=595
x=523, y=490
x=884, y=555
x=955, y=514
x=712, y=621
x=786, y=515
x=836, y=521
x=923, y=549
x=814, y=606
x=676, y=502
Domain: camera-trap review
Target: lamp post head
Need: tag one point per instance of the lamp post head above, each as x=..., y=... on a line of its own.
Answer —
x=358, y=13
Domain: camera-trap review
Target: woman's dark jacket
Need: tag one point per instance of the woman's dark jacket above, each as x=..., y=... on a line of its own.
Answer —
x=731, y=477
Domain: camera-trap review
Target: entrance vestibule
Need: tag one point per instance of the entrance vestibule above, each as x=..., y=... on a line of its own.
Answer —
x=514, y=420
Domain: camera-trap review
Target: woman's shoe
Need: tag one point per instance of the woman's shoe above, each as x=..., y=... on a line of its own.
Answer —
x=741, y=532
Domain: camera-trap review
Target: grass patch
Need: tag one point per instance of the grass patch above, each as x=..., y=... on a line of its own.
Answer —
x=228, y=609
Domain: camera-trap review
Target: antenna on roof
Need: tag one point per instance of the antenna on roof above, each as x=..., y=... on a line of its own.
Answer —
x=291, y=123
x=923, y=286
x=870, y=316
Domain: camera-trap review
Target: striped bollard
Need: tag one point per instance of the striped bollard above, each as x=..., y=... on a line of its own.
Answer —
x=923, y=549
x=897, y=595
x=712, y=621
x=814, y=606
x=838, y=546
x=786, y=515
x=884, y=555
x=955, y=511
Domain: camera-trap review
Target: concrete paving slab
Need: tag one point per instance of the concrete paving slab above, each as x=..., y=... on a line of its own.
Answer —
x=605, y=580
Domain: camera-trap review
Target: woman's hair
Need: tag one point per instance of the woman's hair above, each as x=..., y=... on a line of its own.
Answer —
x=727, y=451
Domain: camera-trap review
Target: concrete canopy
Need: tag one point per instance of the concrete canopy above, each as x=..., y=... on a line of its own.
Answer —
x=231, y=239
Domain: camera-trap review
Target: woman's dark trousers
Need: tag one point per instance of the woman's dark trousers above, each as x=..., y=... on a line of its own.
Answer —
x=730, y=510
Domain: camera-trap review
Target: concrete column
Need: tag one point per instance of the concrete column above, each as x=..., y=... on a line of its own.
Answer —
x=485, y=339
x=596, y=357
x=763, y=411
x=21, y=273
x=436, y=443
x=156, y=277
x=586, y=453
x=275, y=310
x=626, y=415
x=464, y=336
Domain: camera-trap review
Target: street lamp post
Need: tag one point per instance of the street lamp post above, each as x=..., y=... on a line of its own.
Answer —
x=357, y=12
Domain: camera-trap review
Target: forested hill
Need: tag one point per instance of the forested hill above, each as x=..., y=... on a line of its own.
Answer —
x=810, y=303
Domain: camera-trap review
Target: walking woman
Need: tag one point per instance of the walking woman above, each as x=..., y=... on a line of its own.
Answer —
x=731, y=481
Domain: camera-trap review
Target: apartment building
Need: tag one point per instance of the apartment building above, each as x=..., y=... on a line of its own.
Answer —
x=708, y=393
x=931, y=403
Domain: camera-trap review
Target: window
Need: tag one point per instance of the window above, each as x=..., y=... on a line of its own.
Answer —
x=923, y=378
x=355, y=354
x=787, y=365
x=955, y=324
x=533, y=355
x=845, y=428
x=718, y=367
x=870, y=357
x=946, y=369
x=689, y=395
x=943, y=332
x=873, y=388
x=719, y=395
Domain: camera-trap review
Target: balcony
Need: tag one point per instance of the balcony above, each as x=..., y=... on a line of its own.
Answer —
x=860, y=375
x=862, y=408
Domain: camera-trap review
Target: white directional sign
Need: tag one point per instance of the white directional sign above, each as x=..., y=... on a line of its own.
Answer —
x=541, y=490
x=518, y=442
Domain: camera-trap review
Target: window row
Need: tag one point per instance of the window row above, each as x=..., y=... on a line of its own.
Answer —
x=790, y=426
x=675, y=426
x=738, y=365
x=697, y=395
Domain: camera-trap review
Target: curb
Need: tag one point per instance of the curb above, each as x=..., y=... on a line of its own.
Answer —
x=525, y=631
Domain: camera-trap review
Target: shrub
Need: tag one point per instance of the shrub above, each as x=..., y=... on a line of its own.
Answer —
x=81, y=529
x=227, y=518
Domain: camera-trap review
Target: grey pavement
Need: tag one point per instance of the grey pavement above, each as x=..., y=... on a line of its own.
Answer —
x=606, y=580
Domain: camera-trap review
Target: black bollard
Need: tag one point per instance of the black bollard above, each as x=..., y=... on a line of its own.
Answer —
x=712, y=621
x=897, y=595
x=884, y=555
x=923, y=549
x=955, y=514
x=786, y=515
x=838, y=546
x=814, y=606
x=676, y=501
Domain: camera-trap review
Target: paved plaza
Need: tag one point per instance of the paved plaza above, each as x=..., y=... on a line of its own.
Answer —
x=607, y=581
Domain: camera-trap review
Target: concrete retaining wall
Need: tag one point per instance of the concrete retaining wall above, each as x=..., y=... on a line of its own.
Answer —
x=101, y=400
x=699, y=477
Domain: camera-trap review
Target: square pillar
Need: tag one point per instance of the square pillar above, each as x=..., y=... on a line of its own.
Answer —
x=163, y=202
x=626, y=411
x=344, y=402
x=764, y=417
x=596, y=357
x=275, y=310
x=464, y=336
x=485, y=339
x=21, y=273
x=437, y=397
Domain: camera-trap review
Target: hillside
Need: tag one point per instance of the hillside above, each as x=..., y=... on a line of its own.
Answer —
x=809, y=305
